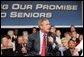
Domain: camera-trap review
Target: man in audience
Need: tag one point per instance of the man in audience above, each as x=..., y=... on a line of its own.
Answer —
x=34, y=30
x=71, y=51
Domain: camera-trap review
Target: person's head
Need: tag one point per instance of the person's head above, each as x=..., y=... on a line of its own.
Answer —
x=44, y=25
x=4, y=41
x=80, y=37
x=64, y=42
x=10, y=33
x=25, y=33
x=20, y=40
x=71, y=44
x=72, y=28
x=58, y=33
x=67, y=35
x=34, y=30
x=52, y=29
x=74, y=35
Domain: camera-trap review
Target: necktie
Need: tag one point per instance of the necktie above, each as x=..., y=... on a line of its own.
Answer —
x=44, y=45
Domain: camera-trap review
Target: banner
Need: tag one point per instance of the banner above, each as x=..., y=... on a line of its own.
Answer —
x=25, y=14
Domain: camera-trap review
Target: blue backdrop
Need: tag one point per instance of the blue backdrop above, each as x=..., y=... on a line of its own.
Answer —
x=59, y=17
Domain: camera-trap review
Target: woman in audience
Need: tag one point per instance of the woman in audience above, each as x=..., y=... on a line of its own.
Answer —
x=12, y=35
x=22, y=40
x=58, y=37
x=7, y=46
x=74, y=33
x=64, y=45
x=67, y=35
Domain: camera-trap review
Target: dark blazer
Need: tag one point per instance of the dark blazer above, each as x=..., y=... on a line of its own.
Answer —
x=33, y=45
x=68, y=52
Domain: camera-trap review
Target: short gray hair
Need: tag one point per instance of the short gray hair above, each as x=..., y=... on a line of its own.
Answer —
x=41, y=20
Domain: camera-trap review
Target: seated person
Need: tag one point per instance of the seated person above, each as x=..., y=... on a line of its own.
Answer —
x=71, y=51
x=64, y=45
x=20, y=46
x=7, y=45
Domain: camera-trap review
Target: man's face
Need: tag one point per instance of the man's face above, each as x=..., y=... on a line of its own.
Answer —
x=45, y=26
x=72, y=44
x=20, y=40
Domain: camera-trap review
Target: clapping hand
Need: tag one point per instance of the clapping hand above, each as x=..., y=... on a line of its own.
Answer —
x=50, y=39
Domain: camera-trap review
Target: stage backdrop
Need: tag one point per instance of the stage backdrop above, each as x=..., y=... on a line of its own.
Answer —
x=25, y=14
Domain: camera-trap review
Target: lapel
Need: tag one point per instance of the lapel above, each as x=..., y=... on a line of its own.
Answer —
x=69, y=52
x=37, y=41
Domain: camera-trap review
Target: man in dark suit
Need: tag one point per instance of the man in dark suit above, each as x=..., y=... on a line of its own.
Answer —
x=72, y=51
x=38, y=42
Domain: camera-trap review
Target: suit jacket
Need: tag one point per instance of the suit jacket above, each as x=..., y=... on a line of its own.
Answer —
x=68, y=52
x=33, y=45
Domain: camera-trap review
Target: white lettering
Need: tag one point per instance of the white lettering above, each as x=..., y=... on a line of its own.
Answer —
x=3, y=14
